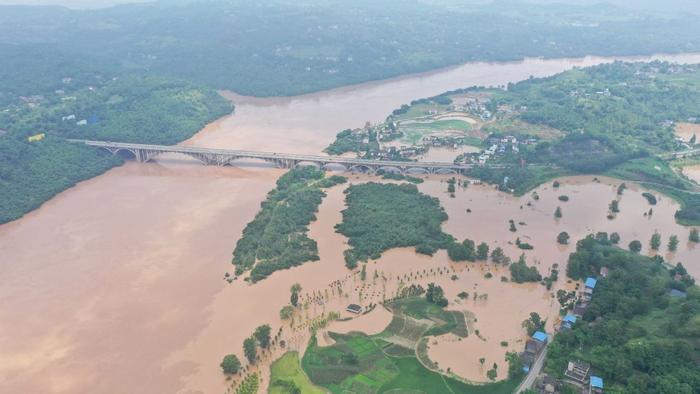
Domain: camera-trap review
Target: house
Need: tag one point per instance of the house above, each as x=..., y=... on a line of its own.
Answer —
x=604, y=271
x=568, y=322
x=596, y=385
x=580, y=309
x=577, y=371
x=589, y=287
x=36, y=137
x=540, y=336
x=354, y=308
x=81, y=122
x=677, y=293
x=69, y=117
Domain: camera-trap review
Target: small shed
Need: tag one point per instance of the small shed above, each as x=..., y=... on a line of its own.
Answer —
x=596, y=385
x=604, y=271
x=354, y=308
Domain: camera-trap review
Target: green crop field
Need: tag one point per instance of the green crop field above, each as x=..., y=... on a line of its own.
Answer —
x=360, y=363
x=286, y=373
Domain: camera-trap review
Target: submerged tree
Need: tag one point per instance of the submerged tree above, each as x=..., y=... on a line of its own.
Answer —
x=655, y=241
x=614, y=238
x=557, y=213
x=635, y=246
x=230, y=364
x=672, y=243
x=250, y=348
x=262, y=334
x=563, y=238
x=694, y=235
x=482, y=251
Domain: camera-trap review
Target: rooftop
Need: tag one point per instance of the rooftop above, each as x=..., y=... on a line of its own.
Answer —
x=540, y=336
x=354, y=308
x=570, y=319
x=591, y=282
x=596, y=382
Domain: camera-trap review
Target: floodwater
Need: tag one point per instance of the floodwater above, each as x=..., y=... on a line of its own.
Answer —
x=116, y=285
x=686, y=131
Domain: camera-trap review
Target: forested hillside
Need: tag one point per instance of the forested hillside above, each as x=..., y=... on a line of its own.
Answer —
x=90, y=106
x=634, y=333
x=283, y=47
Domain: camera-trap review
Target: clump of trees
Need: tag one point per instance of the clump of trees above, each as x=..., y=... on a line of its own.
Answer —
x=380, y=216
x=277, y=237
x=520, y=272
x=436, y=295
x=533, y=323
x=464, y=251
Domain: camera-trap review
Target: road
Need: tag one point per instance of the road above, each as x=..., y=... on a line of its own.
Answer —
x=534, y=370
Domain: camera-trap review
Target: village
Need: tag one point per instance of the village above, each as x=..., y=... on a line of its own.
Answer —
x=411, y=132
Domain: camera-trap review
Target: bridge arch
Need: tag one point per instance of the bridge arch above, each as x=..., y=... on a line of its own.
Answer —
x=308, y=164
x=417, y=170
x=391, y=169
x=334, y=167
x=247, y=162
x=445, y=171
x=361, y=168
x=126, y=154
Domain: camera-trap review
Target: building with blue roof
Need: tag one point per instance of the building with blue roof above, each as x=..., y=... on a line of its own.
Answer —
x=591, y=282
x=540, y=336
x=596, y=385
x=568, y=322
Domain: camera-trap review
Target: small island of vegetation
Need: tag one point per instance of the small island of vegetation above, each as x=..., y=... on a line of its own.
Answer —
x=277, y=238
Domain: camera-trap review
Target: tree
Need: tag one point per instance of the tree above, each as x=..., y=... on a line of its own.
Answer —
x=436, y=295
x=614, y=238
x=294, y=298
x=497, y=256
x=692, y=140
x=563, y=238
x=262, y=334
x=557, y=213
x=533, y=323
x=363, y=273
x=614, y=206
x=635, y=246
x=482, y=251
x=621, y=189
x=694, y=235
x=482, y=361
x=655, y=241
x=250, y=348
x=230, y=364
x=672, y=243
x=286, y=312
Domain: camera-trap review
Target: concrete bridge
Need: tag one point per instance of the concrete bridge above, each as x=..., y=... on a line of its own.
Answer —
x=223, y=157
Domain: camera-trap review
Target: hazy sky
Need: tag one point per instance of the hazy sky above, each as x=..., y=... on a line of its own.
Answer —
x=646, y=5
x=72, y=3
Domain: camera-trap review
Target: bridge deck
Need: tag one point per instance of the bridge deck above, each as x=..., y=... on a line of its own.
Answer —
x=272, y=155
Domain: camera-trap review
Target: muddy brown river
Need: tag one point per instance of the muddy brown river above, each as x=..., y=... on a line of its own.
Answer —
x=116, y=285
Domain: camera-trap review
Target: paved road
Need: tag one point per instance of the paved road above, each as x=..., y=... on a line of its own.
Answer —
x=534, y=370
